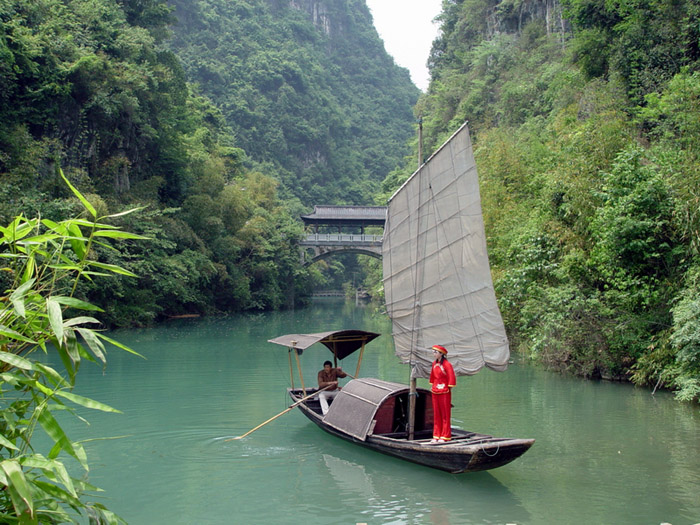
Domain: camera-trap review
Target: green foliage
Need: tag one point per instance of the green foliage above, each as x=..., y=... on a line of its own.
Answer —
x=310, y=96
x=586, y=139
x=644, y=42
x=686, y=334
x=42, y=262
x=90, y=87
x=671, y=114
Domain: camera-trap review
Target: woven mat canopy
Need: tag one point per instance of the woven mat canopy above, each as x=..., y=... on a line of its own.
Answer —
x=340, y=342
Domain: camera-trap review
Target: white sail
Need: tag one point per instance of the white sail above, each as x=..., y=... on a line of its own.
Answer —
x=437, y=280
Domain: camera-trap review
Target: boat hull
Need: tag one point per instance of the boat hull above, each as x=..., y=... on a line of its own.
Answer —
x=467, y=452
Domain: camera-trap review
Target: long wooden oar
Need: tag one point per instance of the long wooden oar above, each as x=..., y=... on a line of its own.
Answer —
x=278, y=415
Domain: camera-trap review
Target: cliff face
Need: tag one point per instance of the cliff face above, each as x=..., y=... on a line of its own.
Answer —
x=510, y=16
x=317, y=11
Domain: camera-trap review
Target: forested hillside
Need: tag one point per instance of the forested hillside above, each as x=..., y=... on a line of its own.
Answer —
x=262, y=106
x=586, y=121
x=226, y=119
x=306, y=87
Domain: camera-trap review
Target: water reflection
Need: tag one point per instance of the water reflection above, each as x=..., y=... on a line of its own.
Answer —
x=605, y=453
x=384, y=489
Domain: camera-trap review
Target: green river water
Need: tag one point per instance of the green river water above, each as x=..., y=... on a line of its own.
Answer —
x=605, y=453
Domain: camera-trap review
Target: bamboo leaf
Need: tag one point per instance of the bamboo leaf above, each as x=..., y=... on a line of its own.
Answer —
x=114, y=234
x=21, y=290
x=84, y=354
x=18, y=303
x=60, y=494
x=79, y=320
x=14, y=380
x=17, y=297
x=18, y=488
x=87, y=402
x=68, y=267
x=93, y=224
x=73, y=347
x=93, y=343
x=89, y=207
x=122, y=213
x=55, y=432
x=43, y=389
x=52, y=375
x=11, y=334
x=55, y=318
x=103, y=515
x=112, y=268
x=76, y=303
x=67, y=363
x=77, y=242
x=41, y=239
x=7, y=443
x=55, y=451
x=18, y=231
x=16, y=361
x=82, y=456
x=55, y=226
x=29, y=269
x=117, y=344
x=50, y=465
x=99, y=274
x=105, y=245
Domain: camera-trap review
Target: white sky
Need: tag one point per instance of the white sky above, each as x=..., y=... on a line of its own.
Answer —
x=408, y=32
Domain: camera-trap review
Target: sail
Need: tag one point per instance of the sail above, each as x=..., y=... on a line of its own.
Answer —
x=437, y=280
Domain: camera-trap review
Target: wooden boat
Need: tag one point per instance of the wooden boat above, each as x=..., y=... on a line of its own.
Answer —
x=438, y=290
x=374, y=413
x=379, y=409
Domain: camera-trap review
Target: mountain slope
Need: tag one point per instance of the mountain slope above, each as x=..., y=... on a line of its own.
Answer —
x=307, y=88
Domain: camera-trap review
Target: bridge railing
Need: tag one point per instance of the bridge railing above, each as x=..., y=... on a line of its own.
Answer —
x=342, y=238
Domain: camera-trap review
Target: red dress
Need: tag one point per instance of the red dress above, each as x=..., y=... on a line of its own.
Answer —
x=442, y=380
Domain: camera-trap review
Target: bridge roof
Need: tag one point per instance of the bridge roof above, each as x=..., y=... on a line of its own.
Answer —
x=374, y=215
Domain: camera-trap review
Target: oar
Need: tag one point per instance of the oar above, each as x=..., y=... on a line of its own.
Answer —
x=278, y=415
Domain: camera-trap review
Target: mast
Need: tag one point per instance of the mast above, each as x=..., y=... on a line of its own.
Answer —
x=413, y=387
x=420, y=141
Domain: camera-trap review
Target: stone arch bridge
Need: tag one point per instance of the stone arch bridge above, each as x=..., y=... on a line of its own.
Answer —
x=341, y=229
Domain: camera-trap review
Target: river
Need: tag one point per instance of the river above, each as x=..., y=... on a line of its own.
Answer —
x=606, y=453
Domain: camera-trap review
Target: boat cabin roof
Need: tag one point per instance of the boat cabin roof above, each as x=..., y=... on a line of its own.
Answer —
x=355, y=406
x=342, y=343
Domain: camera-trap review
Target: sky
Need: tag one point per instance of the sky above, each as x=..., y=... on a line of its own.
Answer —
x=408, y=31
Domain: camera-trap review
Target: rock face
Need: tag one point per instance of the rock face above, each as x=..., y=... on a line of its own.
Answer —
x=318, y=11
x=510, y=16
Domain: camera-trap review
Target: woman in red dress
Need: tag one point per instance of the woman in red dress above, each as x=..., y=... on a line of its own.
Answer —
x=442, y=380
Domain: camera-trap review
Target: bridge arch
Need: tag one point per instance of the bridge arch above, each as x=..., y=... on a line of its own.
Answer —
x=328, y=251
x=341, y=229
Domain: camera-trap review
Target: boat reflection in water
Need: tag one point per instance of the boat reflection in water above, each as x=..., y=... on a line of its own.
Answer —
x=390, y=491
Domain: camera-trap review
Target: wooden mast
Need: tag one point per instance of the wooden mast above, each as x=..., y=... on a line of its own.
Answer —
x=412, y=394
x=291, y=368
x=359, y=361
x=301, y=377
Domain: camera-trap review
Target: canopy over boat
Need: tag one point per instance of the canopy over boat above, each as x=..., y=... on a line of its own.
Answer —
x=437, y=280
x=355, y=407
x=341, y=343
